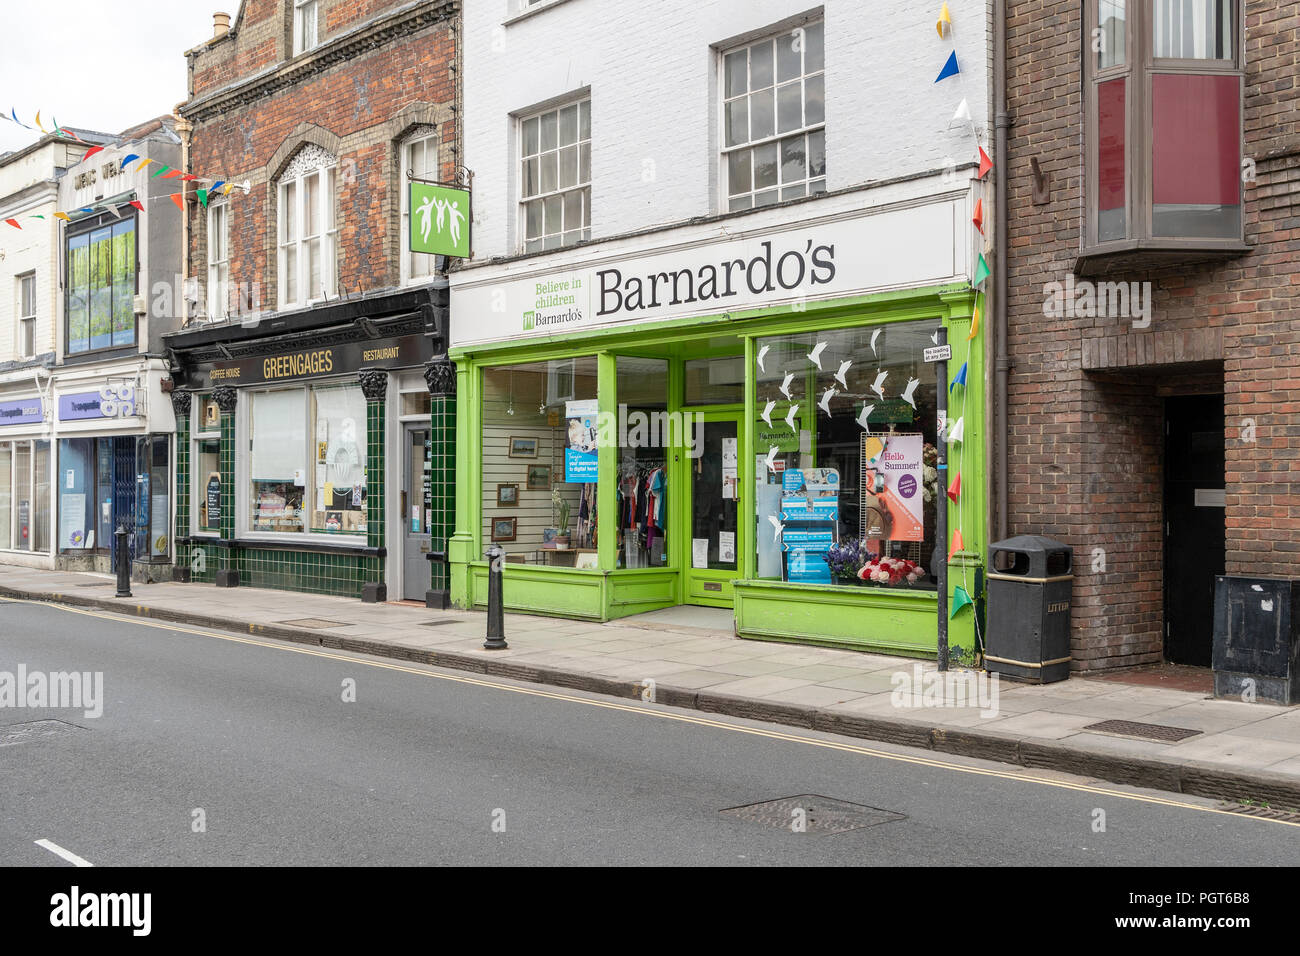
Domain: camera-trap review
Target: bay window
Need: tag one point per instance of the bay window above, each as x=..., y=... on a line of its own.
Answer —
x=307, y=228
x=1163, y=83
x=307, y=461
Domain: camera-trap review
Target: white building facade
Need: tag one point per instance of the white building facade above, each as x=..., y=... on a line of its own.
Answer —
x=735, y=216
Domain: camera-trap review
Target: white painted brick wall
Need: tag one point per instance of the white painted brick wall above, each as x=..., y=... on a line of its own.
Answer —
x=651, y=68
x=34, y=248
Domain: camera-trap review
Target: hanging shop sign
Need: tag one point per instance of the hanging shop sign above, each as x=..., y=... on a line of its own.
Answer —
x=440, y=220
x=28, y=411
x=318, y=362
x=872, y=250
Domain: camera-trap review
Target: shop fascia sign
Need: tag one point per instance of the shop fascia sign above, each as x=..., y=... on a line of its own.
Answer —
x=27, y=411
x=891, y=249
x=112, y=400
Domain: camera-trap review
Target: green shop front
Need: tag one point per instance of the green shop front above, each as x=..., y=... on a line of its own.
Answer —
x=746, y=421
x=311, y=448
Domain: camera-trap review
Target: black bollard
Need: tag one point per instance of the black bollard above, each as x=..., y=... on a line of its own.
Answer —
x=496, y=616
x=123, y=558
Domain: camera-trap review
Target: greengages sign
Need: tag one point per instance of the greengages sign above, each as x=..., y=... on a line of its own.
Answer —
x=869, y=250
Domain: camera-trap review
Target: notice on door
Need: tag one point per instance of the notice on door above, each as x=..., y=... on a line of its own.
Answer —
x=699, y=552
x=726, y=547
x=730, y=468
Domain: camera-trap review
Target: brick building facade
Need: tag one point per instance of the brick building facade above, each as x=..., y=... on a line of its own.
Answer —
x=311, y=328
x=1144, y=128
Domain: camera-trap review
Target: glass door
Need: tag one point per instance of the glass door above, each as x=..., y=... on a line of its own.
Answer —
x=417, y=512
x=712, y=556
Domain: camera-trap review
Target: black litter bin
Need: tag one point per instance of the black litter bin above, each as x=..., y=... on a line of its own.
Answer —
x=1030, y=581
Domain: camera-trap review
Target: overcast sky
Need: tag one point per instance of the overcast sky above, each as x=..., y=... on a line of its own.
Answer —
x=97, y=64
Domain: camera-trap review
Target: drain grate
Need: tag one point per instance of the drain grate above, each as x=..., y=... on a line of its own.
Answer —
x=12, y=734
x=1131, y=728
x=314, y=623
x=821, y=814
x=440, y=621
x=1266, y=813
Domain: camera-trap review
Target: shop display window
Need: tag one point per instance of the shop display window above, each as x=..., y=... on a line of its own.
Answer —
x=307, y=467
x=6, y=495
x=541, y=434
x=845, y=456
x=646, y=432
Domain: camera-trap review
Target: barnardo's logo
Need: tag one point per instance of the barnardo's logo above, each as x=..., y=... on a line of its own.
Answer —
x=556, y=302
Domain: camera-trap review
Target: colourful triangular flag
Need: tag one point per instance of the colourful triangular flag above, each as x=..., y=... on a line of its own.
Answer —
x=137, y=204
x=945, y=20
x=981, y=270
x=960, y=379
x=172, y=174
x=14, y=222
x=949, y=69
x=978, y=218
x=957, y=431
x=127, y=160
x=36, y=216
x=91, y=152
x=974, y=323
x=954, y=489
x=188, y=178
x=161, y=170
x=216, y=187
x=180, y=203
x=64, y=216
x=203, y=197
x=985, y=163
x=960, y=599
x=14, y=113
x=115, y=209
x=962, y=114
x=229, y=187
x=957, y=543
x=143, y=164
x=38, y=122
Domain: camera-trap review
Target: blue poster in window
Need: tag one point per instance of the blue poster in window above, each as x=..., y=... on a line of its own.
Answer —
x=581, y=451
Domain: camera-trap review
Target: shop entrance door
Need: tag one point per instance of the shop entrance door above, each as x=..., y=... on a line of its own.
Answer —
x=417, y=507
x=1194, y=524
x=713, y=511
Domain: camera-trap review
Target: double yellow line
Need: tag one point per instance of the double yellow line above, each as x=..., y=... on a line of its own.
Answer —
x=645, y=711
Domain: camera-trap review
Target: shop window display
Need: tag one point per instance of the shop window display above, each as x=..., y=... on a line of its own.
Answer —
x=645, y=433
x=541, y=434
x=845, y=454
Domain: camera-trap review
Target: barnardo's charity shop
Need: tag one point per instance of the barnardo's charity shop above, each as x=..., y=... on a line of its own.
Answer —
x=733, y=413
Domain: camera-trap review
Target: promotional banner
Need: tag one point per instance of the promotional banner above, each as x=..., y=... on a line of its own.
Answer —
x=810, y=512
x=581, y=461
x=891, y=486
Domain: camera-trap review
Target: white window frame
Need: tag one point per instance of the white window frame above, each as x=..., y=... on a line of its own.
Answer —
x=306, y=25
x=218, y=288
x=810, y=184
x=581, y=187
x=26, y=328
x=417, y=267
x=291, y=216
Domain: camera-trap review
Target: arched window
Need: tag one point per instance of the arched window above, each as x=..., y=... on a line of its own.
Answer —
x=307, y=228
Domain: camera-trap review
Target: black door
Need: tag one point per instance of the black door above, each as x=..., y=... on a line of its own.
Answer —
x=1194, y=524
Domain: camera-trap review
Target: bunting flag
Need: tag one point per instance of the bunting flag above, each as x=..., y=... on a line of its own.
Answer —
x=137, y=204
x=127, y=160
x=188, y=178
x=962, y=114
x=957, y=431
x=115, y=209
x=172, y=174
x=180, y=203
x=985, y=163
x=978, y=218
x=950, y=68
x=91, y=152
x=38, y=123
x=957, y=543
x=64, y=216
x=14, y=223
x=945, y=20
x=960, y=379
x=216, y=187
x=954, y=489
x=960, y=599
x=229, y=188
x=161, y=170
x=203, y=197
x=14, y=114
x=981, y=270
x=974, y=323
x=143, y=164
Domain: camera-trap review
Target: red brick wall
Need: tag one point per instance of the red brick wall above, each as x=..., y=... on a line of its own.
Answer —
x=1086, y=447
x=361, y=107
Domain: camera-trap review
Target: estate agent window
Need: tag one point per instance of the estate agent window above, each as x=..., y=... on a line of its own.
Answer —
x=307, y=461
x=101, y=285
x=1163, y=80
x=555, y=176
x=774, y=119
x=852, y=474
x=307, y=228
x=540, y=468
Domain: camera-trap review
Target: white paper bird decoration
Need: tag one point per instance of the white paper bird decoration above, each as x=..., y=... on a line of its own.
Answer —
x=789, y=418
x=874, y=335
x=777, y=528
x=767, y=413
x=770, y=460
x=815, y=356
x=865, y=415
x=839, y=376
x=825, y=403
x=908, y=393
x=762, y=354
x=785, y=385
x=878, y=386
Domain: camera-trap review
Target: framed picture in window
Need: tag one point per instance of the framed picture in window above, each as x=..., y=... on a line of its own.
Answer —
x=507, y=495
x=539, y=478
x=504, y=529
x=523, y=447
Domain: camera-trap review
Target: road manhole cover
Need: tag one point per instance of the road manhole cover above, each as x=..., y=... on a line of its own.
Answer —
x=313, y=622
x=34, y=730
x=819, y=814
x=1131, y=728
x=445, y=620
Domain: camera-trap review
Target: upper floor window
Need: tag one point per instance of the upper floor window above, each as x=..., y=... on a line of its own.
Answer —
x=304, y=25
x=555, y=176
x=306, y=218
x=26, y=339
x=101, y=279
x=774, y=118
x=1164, y=88
x=218, y=260
x=420, y=158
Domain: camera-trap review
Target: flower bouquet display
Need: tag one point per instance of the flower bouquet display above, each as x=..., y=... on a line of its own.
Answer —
x=891, y=572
